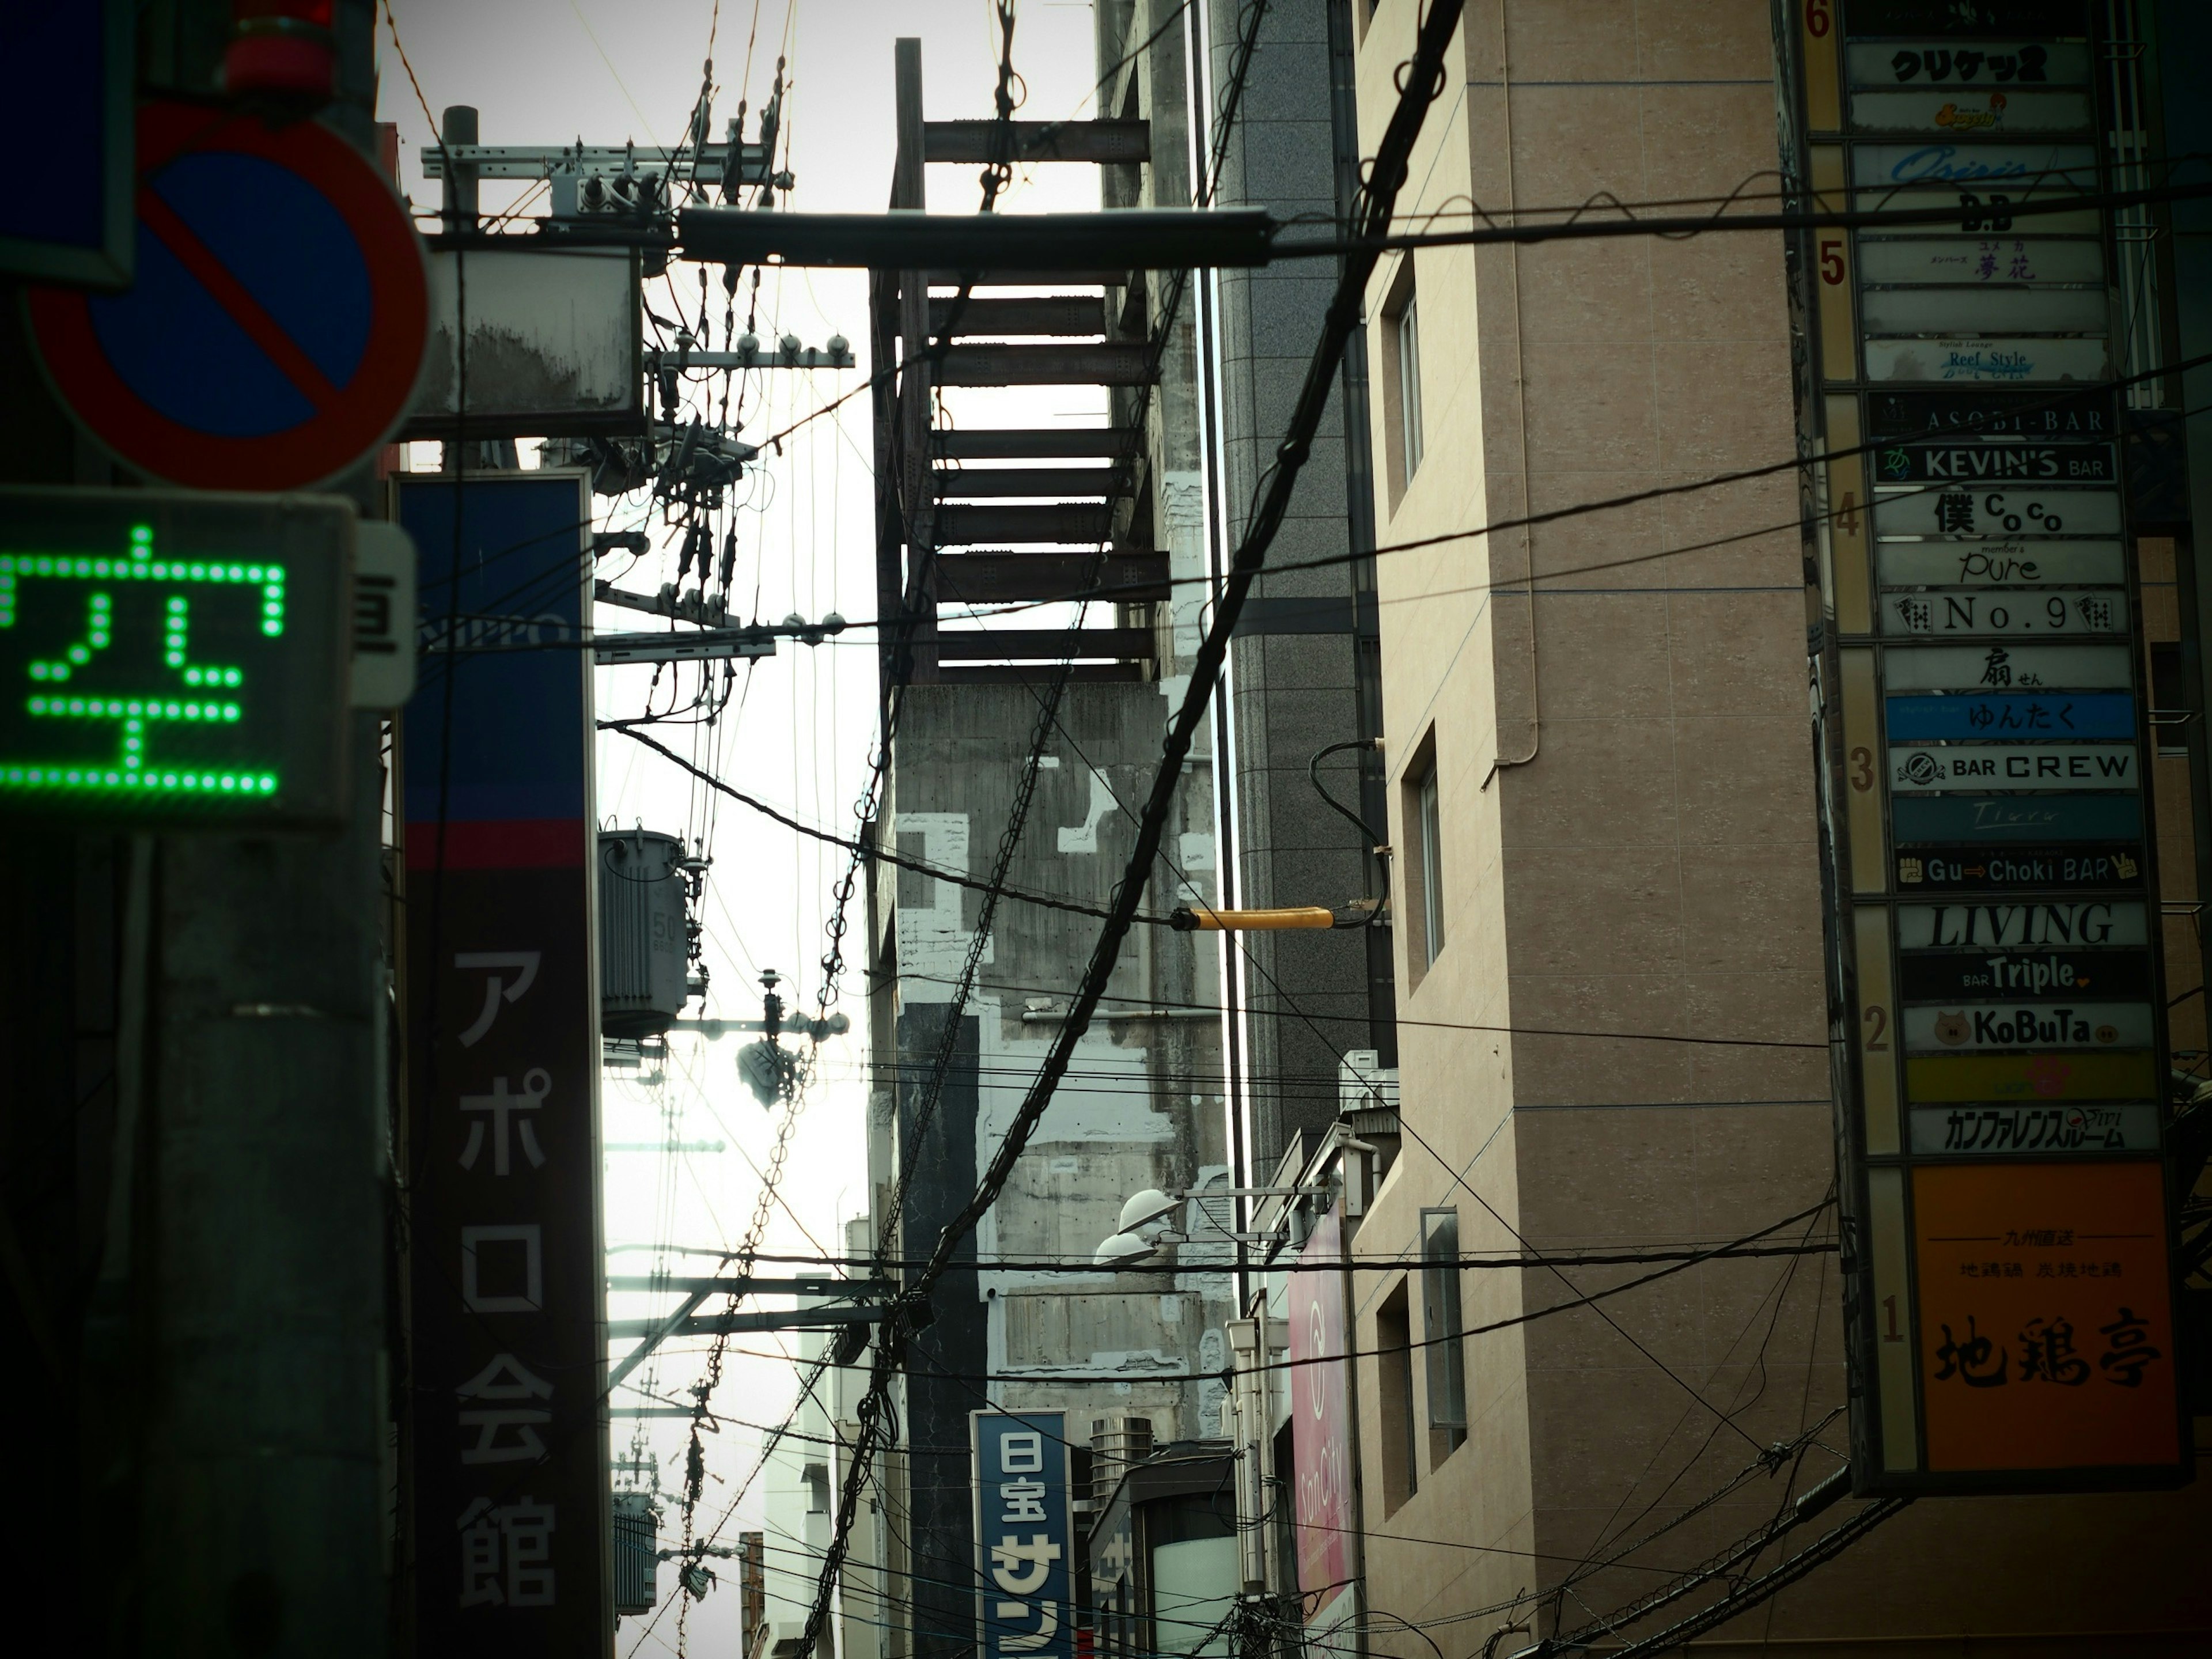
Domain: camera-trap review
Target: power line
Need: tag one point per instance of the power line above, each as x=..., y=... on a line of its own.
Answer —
x=1686, y=1255
x=1676, y=1264
x=874, y=1407
x=832, y=962
x=1554, y=515
x=864, y=851
x=1048, y=719
x=1425, y=1024
x=996, y=175
x=1725, y=1418
x=1686, y=228
x=767, y=1450
x=1658, y=492
x=1768, y=1462
x=1765, y=1460
x=2071, y=395
x=1653, y=1038
x=1741, y=1599
x=1388, y=176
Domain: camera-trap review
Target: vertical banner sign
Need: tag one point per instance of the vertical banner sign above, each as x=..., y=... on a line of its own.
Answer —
x=2000, y=1050
x=508, y=1326
x=1323, y=1511
x=1025, y=1536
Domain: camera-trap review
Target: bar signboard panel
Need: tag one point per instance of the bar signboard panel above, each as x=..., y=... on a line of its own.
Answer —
x=2078, y=1023
x=1988, y=867
x=1980, y=66
x=1944, y=110
x=1934, y=612
x=1997, y=461
x=2003, y=1089
x=2048, y=1289
x=1992, y=263
x=2017, y=171
x=1921, y=770
x=1927, y=309
x=1959, y=509
x=1950, y=359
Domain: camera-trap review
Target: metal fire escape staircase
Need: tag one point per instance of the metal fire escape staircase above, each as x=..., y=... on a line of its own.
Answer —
x=968, y=517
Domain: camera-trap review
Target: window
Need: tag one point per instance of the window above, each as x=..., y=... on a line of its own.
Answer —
x=1421, y=867
x=1420, y=816
x=1393, y=1345
x=2169, y=712
x=1433, y=873
x=1407, y=329
x=1396, y=342
x=1441, y=1325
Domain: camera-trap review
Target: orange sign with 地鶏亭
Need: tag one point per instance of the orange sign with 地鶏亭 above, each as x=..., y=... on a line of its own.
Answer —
x=2046, y=1323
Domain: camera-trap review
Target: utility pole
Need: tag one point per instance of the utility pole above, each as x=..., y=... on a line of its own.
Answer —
x=195, y=1237
x=262, y=1500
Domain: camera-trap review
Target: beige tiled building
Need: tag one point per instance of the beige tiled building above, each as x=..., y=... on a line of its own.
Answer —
x=1604, y=814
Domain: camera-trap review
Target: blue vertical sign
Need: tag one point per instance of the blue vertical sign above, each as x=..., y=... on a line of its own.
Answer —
x=1025, y=1536
x=507, y=1348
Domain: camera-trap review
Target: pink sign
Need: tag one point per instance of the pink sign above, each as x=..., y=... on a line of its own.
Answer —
x=1321, y=1416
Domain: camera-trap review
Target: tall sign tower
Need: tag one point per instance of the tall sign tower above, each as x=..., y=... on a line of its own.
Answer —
x=1981, y=682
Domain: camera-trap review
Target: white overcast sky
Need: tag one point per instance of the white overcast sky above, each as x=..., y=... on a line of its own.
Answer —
x=550, y=72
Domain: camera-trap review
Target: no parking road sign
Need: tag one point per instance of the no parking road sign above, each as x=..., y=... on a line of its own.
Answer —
x=274, y=333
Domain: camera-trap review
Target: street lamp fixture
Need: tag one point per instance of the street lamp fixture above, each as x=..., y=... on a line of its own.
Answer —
x=1140, y=1235
x=1123, y=1250
x=1148, y=1205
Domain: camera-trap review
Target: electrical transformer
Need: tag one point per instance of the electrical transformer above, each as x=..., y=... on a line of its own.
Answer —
x=645, y=883
x=637, y=1553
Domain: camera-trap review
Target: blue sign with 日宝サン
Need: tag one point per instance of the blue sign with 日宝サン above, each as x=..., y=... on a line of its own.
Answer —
x=1025, y=1536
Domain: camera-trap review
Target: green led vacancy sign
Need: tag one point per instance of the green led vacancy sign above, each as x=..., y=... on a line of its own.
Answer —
x=169, y=658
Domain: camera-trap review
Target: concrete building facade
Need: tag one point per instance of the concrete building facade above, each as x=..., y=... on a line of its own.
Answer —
x=1304, y=683
x=1610, y=907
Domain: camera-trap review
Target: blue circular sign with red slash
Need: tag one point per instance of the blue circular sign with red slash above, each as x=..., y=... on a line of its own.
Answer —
x=275, y=331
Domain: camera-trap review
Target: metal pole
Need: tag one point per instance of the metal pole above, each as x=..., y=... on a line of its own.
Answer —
x=458, y=206
x=263, y=1491
x=259, y=1287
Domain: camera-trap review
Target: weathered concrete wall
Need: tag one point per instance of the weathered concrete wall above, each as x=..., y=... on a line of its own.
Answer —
x=1142, y=1108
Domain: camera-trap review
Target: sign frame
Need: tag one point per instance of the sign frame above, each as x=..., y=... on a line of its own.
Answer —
x=277, y=572
x=108, y=265
x=1887, y=1336
x=1049, y=1429
x=508, y=1436
x=529, y=386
